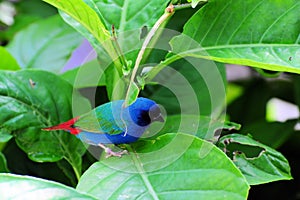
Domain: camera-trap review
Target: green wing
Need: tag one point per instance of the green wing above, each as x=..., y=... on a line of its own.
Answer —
x=100, y=120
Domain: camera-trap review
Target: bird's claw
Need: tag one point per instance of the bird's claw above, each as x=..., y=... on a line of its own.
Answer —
x=110, y=153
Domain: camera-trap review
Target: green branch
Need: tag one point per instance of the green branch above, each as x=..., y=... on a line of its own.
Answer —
x=167, y=14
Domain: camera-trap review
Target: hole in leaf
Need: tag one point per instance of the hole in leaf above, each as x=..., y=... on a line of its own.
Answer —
x=249, y=151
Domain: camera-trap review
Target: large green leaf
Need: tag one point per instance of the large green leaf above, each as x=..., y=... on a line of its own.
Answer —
x=190, y=86
x=26, y=187
x=269, y=165
x=129, y=17
x=263, y=34
x=201, y=126
x=31, y=100
x=86, y=21
x=46, y=44
x=7, y=62
x=174, y=166
x=83, y=14
x=129, y=14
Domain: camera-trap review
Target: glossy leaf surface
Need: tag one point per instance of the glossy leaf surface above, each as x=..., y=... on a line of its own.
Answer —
x=174, y=166
x=263, y=34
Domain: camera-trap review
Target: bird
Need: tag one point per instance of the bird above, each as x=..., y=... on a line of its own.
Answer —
x=112, y=123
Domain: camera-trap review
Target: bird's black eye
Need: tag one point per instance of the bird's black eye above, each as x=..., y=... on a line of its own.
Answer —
x=144, y=118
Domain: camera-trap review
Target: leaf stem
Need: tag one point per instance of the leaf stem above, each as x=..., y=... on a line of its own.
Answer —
x=169, y=11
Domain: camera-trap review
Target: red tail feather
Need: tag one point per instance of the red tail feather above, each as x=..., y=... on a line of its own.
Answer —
x=66, y=126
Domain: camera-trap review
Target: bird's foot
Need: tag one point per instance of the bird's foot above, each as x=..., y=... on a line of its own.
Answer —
x=110, y=153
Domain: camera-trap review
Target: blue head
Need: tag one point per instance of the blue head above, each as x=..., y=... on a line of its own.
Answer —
x=144, y=111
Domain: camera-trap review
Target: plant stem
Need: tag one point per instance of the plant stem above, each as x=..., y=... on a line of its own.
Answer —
x=164, y=17
x=118, y=48
x=68, y=157
x=168, y=13
x=77, y=173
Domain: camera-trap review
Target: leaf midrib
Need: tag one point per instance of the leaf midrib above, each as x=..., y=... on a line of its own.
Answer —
x=143, y=174
x=123, y=15
x=230, y=46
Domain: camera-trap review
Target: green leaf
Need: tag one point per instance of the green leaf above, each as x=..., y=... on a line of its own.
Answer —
x=7, y=61
x=90, y=26
x=46, y=44
x=5, y=136
x=129, y=14
x=3, y=163
x=268, y=166
x=48, y=170
x=201, y=126
x=31, y=100
x=90, y=74
x=26, y=187
x=129, y=17
x=174, y=166
x=85, y=15
x=190, y=86
x=228, y=32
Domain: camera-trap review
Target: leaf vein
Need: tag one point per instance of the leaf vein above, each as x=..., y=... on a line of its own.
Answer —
x=242, y=22
x=275, y=21
x=213, y=22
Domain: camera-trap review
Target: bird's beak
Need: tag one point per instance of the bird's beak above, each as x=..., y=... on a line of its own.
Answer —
x=159, y=118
